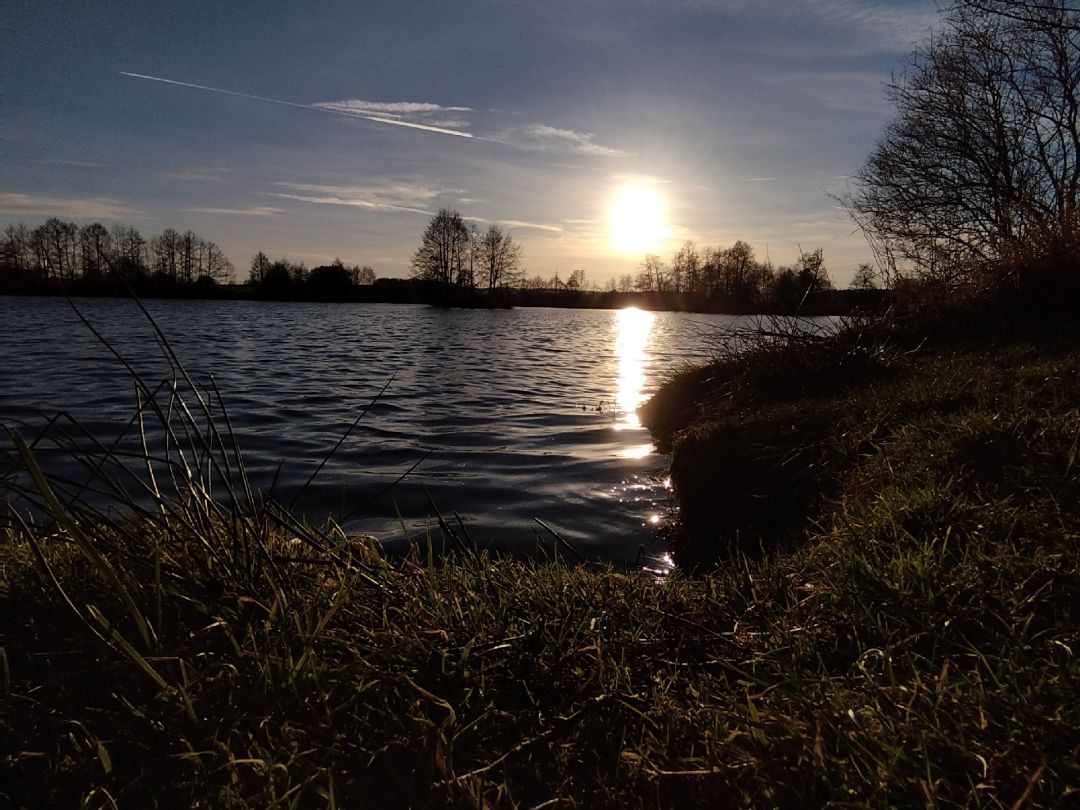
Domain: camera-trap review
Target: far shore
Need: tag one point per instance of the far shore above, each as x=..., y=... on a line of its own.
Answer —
x=409, y=291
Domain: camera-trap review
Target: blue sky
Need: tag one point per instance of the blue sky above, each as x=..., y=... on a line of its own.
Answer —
x=343, y=126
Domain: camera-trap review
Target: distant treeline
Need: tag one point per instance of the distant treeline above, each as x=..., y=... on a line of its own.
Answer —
x=59, y=256
x=470, y=267
x=732, y=280
x=58, y=253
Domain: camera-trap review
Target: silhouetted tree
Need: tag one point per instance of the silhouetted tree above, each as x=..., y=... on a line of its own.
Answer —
x=651, y=273
x=129, y=252
x=686, y=269
x=865, y=278
x=165, y=252
x=95, y=251
x=55, y=249
x=980, y=170
x=740, y=277
x=260, y=264
x=498, y=257
x=444, y=249
x=17, y=256
x=810, y=273
x=363, y=275
x=331, y=281
x=786, y=295
x=279, y=277
x=213, y=265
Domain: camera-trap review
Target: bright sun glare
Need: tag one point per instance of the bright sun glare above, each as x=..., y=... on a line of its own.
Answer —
x=636, y=218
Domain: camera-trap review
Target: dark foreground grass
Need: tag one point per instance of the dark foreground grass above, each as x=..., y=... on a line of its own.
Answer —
x=887, y=664
x=912, y=641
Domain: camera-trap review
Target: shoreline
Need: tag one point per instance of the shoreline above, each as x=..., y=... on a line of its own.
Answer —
x=404, y=291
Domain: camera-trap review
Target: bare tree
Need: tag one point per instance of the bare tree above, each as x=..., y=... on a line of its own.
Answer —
x=865, y=278
x=444, y=249
x=165, y=251
x=55, y=248
x=214, y=265
x=260, y=265
x=686, y=269
x=499, y=257
x=95, y=250
x=810, y=273
x=17, y=255
x=129, y=252
x=979, y=174
x=652, y=273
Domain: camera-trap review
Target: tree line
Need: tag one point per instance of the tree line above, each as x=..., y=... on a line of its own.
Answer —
x=456, y=254
x=97, y=260
x=59, y=251
x=734, y=280
x=282, y=278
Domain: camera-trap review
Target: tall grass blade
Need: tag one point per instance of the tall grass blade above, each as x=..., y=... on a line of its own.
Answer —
x=65, y=519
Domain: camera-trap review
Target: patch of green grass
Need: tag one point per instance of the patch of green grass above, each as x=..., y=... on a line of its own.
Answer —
x=991, y=422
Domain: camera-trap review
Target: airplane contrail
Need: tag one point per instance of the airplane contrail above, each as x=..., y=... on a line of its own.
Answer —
x=346, y=113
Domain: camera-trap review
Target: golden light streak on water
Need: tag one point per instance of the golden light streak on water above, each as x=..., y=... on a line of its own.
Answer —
x=631, y=351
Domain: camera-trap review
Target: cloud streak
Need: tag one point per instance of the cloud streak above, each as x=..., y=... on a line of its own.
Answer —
x=253, y=211
x=427, y=117
x=517, y=223
x=321, y=107
x=73, y=207
x=392, y=196
x=544, y=138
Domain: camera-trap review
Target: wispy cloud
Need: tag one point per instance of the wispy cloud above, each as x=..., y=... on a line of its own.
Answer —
x=832, y=26
x=208, y=175
x=321, y=106
x=890, y=24
x=253, y=211
x=428, y=117
x=388, y=108
x=16, y=204
x=391, y=195
x=544, y=138
x=536, y=226
x=848, y=91
x=75, y=164
x=420, y=114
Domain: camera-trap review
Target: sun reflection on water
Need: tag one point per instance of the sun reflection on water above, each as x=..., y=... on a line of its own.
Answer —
x=631, y=345
x=637, y=451
x=640, y=494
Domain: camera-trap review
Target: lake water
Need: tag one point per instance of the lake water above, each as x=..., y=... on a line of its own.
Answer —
x=513, y=414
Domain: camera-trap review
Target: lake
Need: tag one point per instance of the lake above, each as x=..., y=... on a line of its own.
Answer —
x=513, y=415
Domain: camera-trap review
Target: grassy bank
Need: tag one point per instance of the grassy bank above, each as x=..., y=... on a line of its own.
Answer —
x=898, y=628
x=873, y=667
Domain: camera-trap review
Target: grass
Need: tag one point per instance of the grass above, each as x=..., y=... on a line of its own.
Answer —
x=859, y=670
x=911, y=641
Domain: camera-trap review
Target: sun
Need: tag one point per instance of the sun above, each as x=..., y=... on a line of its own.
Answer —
x=636, y=219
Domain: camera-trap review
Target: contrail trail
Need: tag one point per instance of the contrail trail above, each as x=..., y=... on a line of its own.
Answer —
x=345, y=113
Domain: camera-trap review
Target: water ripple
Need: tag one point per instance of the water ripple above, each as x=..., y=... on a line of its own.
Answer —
x=517, y=414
